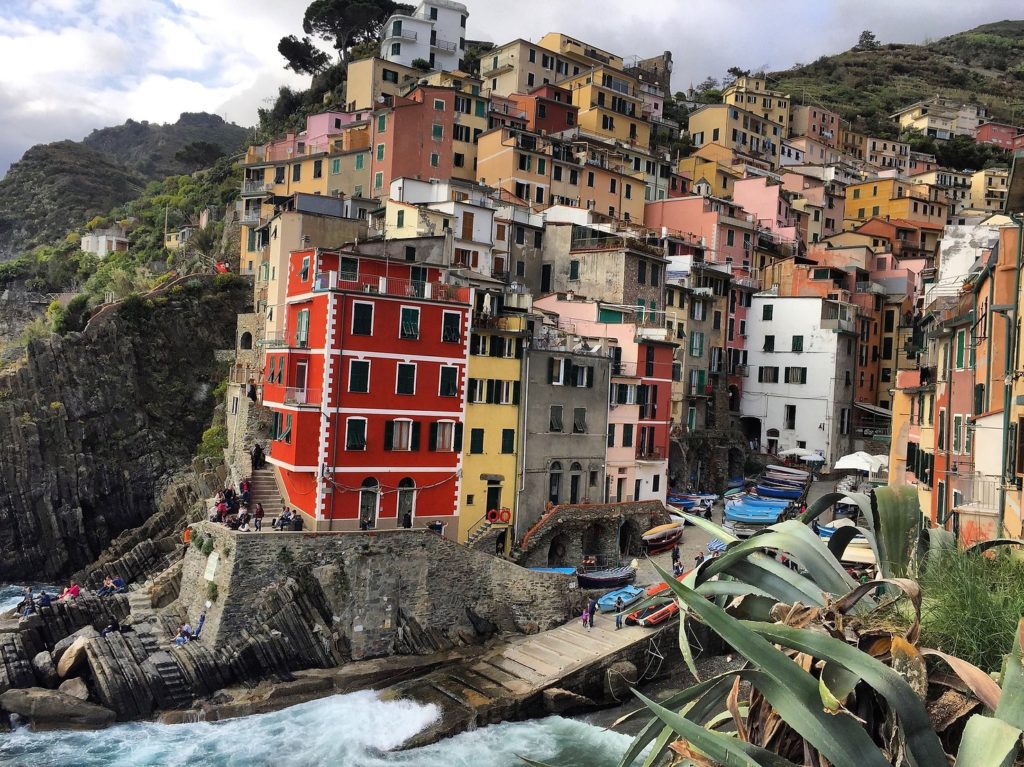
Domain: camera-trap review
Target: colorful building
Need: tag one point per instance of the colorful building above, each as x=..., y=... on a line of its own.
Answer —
x=751, y=93
x=435, y=33
x=735, y=128
x=892, y=198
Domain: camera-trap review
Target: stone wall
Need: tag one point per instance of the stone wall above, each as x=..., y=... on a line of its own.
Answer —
x=609, y=531
x=377, y=587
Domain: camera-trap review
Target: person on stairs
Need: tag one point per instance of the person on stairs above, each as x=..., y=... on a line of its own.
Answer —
x=257, y=517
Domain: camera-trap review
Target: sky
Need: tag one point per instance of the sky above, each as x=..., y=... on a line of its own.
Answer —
x=70, y=66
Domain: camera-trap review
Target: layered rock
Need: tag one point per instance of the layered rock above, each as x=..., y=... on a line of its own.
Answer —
x=95, y=423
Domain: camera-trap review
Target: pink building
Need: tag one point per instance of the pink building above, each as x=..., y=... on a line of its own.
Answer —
x=1000, y=134
x=828, y=196
x=769, y=203
x=816, y=123
x=726, y=230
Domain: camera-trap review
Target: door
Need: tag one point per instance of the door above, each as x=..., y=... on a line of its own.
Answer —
x=467, y=226
x=574, y=488
x=406, y=502
x=368, y=506
x=493, y=495
x=418, y=281
x=545, y=278
x=300, y=382
x=636, y=490
x=620, y=489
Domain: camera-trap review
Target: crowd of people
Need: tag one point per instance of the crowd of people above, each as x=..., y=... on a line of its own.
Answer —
x=236, y=510
x=32, y=602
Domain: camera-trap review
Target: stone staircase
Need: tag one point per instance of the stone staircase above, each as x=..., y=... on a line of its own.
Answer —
x=264, y=490
x=484, y=537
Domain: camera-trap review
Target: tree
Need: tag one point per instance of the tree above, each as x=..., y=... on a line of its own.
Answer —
x=198, y=154
x=867, y=41
x=344, y=23
x=736, y=72
x=302, y=55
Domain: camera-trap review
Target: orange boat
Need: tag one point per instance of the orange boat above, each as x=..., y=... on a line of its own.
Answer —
x=656, y=614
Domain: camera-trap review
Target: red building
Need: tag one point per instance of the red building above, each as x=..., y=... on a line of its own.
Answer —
x=1000, y=134
x=548, y=108
x=367, y=390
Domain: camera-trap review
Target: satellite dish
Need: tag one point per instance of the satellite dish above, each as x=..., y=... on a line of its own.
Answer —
x=381, y=99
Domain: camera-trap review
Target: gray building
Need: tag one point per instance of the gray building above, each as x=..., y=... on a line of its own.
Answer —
x=565, y=425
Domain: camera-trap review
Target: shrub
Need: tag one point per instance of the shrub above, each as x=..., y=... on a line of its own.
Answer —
x=215, y=440
x=211, y=591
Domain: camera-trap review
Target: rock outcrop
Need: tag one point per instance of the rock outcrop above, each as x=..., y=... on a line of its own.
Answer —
x=95, y=424
x=53, y=710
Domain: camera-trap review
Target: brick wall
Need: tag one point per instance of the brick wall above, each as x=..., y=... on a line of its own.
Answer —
x=372, y=582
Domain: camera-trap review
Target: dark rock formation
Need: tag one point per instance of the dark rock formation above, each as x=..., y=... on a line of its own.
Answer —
x=95, y=423
x=52, y=710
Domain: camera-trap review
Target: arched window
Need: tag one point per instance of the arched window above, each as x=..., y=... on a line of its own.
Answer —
x=406, y=502
x=245, y=342
x=575, y=482
x=369, y=498
x=555, y=482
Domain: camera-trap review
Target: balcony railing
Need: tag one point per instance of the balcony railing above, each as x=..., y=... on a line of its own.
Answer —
x=302, y=396
x=277, y=340
x=252, y=188
x=870, y=287
x=251, y=218
x=978, y=493
x=405, y=34
x=644, y=454
x=391, y=286
x=444, y=45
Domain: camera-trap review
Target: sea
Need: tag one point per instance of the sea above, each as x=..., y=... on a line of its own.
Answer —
x=354, y=730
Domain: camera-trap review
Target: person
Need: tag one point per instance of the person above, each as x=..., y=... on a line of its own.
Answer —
x=107, y=588
x=180, y=638
x=251, y=390
x=44, y=599
x=586, y=619
x=437, y=526
x=677, y=568
x=199, y=626
x=114, y=627
x=258, y=460
x=618, y=612
x=71, y=592
x=284, y=522
x=118, y=583
x=407, y=519
x=27, y=605
x=699, y=559
x=592, y=609
x=675, y=553
x=257, y=518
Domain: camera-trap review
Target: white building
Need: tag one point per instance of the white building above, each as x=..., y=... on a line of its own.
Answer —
x=799, y=391
x=434, y=32
x=102, y=242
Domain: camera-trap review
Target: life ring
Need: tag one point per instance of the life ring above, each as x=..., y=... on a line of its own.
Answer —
x=505, y=515
x=492, y=515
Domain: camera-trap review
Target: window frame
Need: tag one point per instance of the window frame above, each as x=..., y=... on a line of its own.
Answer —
x=351, y=364
x=398, y=378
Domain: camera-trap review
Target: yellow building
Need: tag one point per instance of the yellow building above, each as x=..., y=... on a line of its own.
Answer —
x=611, y=105
x=710, y=170
x=370, y=79
x=751, y=93
x=738, y=130
x=851, y=142
x=988, y=189
x=404, y=221
x=894, y=199
x=492, y=442
x=886, y=153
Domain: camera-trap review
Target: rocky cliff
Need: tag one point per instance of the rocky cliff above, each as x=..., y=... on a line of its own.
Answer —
x=94, y=424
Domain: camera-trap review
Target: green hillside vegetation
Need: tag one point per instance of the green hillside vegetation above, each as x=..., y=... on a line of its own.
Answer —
x=866, y=86
x=57, y=187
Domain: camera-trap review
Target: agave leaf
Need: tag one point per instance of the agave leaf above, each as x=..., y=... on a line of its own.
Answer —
x=981, y=546
x=778, y=580
x=828, y=500
x=1011, y=702
x=721, y=748
x=922, y=743
x=690, y=579
x=790, y=690
x=988, y=742
x=980, y=683
x=907, y=586
x=939, y=540
x=666, y=736
x=838, y=682
x=706, y=525
x=797, y=541
x=898, y=528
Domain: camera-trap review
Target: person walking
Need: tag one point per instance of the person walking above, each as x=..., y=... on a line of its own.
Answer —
x=675, y=554
x=618, y=613
x=592, y=609
x=586, y=619
x=257, y=517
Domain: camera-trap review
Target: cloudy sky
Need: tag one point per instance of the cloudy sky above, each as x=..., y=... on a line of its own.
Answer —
x=69, y=66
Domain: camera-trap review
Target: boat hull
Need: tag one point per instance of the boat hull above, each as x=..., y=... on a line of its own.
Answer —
x=629, y=595
x=602, y=579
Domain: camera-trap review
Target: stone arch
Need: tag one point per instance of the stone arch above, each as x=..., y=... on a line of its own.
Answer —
x=555, y=482
x=629, y=539
x=591, y=540
x=245, y=340
x=557, y=550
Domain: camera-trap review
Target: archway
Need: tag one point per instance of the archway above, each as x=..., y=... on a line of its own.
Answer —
x=245, y=342
x=556, y=551
x=772, y=441
x=406, y=502
x=592, y=540
x=369, y=501
x=575, y=482
x=555, y=482
x=629, y=539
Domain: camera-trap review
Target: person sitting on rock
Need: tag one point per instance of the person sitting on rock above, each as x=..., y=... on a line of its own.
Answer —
x=44, y=599
x=107, y=589
x=71, y=592
x=26, y=606
x=117, y=582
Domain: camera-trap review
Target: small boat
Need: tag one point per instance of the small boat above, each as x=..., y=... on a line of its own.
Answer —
x=561, y=570
x=682, y=501
x=780, y=492
x=606, y=578
x=756, y=500
x=653, y=615
x=788, y=470
x=662, y=537
x=628, y=595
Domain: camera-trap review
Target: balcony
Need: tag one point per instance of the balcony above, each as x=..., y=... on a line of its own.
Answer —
x=254, y=188
x=443, y=45
x=646, y=455
x=404, y=34
x=391, y=286
x=277, y=340
x=303, y=397
x=499, y=70
x=979, y=493
x=251, y=219
x=870, y=287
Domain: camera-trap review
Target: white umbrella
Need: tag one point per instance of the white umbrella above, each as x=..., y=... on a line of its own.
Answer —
x=814, y=458
x=797, y=451
x=883, y=461
x=859, y=461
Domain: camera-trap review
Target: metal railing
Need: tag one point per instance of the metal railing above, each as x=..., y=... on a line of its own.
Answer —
x=643, y=454
x=391, y=286
x=251, y=219
x=976, y=492
x=302, y=396
x=252, y=187
x=443, y=45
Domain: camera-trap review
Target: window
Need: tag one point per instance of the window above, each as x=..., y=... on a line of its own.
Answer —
x=766, y=311
x=558, y=371
x=958, y=425
x=796, y=375
x=960, y=346
x=437, y=132
x=844, y=421
x=359, y=376
x=476, y=441
x=279, y=175
x=355, y=434
x=798, y=343
x=442, y=436
x=655, y=275
x=396, y=49
x=579, y=420
x=400, y=219
x=362, y=319
x=769, y=343
x=641, y=272
x=942, y=429
x=405, y=379
x=401, y=434
x=574, y=270
x=555, y=418
x=378, y=180
x=611, y=435
x=789, y=418
x=449, y=384
x=697, y=310
x=302, y=329
x=359, y=161
x=410, y=323
x=627, y=435
x=296, y=172
x=380, y=151
x=767, y=374
x=508, y=441
x=691, y=418
x=696, y=344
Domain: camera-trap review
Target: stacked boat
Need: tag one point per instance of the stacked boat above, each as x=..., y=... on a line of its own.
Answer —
x=783, y=482
x=772, y=498
x=657, y=613
x=662, y=537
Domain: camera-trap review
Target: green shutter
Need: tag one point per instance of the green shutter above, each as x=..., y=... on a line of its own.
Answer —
x=960, y=349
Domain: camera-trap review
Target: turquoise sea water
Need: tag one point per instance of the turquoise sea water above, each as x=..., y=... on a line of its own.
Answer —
x=355, y=730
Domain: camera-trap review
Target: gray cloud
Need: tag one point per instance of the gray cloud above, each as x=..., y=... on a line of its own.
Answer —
x=206, y=55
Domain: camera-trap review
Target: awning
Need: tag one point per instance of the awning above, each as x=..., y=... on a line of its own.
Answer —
x=874, y=409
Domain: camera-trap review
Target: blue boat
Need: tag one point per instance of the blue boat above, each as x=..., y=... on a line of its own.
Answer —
x=683, y=502
x=561, y=570
x=629, y=595
x=756, y=500
x=780, y=492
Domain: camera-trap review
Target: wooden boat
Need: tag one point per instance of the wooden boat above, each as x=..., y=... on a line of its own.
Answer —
x=628, y=594
x=787, y=470
x=606, y=578
x=682, y=501
x=771, y=491
x=662, y=537
x=653, y=615
x=560, y=570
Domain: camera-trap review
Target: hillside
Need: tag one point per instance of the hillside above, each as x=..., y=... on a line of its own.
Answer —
x=866, y=86
x=58, y=187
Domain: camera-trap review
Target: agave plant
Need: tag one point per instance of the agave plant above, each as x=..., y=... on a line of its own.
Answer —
x=827, y=679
